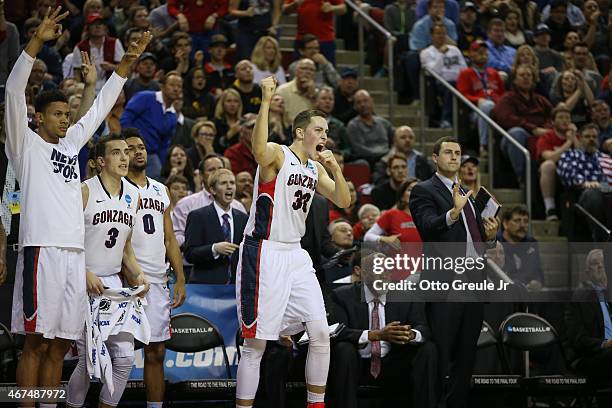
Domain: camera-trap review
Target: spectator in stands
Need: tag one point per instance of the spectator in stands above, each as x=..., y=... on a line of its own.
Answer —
x=369, y=133
x=300, y=92
x=267, y=60
x=483, y=86
x=138, y=17
x=240, y=154
x=214, y=233
x=403, y=142
x=208, y=166
x=526, y=55
x=451, y=9
x=384, y=196
x=162, y=24
x=244, y=182
x=37, y=82
x=349, y=213
x=325, y=73
x=219, y=73
x=344, y=108
x=182, y=134
x=340, y=264
x=112, y=123
x=514, y=34
x=153, y=114
x=178, y=187
x=134, y=35
x=399, y=18
x=522, y=254
x=571, y=38
x=368, y=215
x=250, y=92
x=447, y=61
x=178, y=164
x=198, y=102
x=601, y=117
x=580, y=56
x=255, y=20
x=203, y=134
x=550, y=147
x=48, y=54
x=596, y=32
x=579, y=167
x=341, y=233
x=558, y=23
x=469, y=173
x=551, y=61
x=501, y=56
x=79, y=22
x=180, y=51
x=107, y=51
x=468, y=29
x=572, y=90
x=227, y=119
x=278, y=122
x=145, y=76
x=198, y=18
x=522, y=113
x=420, y=36
x=317, y=18
x=337, y=131
x=74, y=102
x=9, y=46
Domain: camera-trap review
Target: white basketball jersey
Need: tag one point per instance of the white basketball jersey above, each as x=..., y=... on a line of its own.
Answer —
x=148, y=238
x=280, y=207
x=108, y=223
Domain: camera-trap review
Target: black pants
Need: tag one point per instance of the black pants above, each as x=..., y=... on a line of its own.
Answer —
x=455, y=328
x=406, y=368
x=598, y=369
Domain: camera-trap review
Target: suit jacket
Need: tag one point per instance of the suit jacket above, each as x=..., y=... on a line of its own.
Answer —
x=203, y=230
x=182, y=135
x=316, y=240
x=353, y=312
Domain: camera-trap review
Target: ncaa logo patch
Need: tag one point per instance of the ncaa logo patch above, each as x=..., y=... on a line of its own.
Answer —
x=128, y=200
x=156, y=190
x=105, y=304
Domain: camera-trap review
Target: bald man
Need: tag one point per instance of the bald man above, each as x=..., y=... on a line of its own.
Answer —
x=249, y=91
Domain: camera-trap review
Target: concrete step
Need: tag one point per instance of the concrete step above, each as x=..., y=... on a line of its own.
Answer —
x=289, y=30
x=545, y=228
x=549, y=239
x=376, y=84
x=288, y=19
x=342, y=57
x=340, y=65
x=382, y=97
x=287, y=42
x=505, y=195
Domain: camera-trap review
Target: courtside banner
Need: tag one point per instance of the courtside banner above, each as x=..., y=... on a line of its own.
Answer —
x=217, y=303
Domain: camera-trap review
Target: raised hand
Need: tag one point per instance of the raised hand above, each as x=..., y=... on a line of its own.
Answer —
x=50, y=29
x=136, y=48
x=88, y=69
x=268, y=86
x=327, y=159
x=459, y=200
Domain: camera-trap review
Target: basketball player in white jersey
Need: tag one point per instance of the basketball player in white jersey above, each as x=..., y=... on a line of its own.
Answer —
x=49, y=304
x=153, y=240
x=110, y=204
x=276, y=287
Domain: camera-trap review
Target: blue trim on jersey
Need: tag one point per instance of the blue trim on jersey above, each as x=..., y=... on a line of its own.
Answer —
x=263, y=217
x=249, y=280
x=30, y=268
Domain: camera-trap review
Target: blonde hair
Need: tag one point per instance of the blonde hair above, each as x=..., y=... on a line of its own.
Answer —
x=200, y=124
x=257, y=56
x=220, y=110
x=534, y=57
x=213, y=179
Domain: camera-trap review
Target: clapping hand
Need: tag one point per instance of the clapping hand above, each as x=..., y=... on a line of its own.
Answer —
x=459, y=200
x=50, y=29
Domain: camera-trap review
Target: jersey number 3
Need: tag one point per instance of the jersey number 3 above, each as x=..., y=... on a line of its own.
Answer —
x=301, y=201
x=113, y=233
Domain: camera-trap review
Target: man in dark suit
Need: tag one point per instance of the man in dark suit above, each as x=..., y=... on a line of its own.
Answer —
x=589, y=326
x=214, y=232
x=317, y=240
x=445, y=213
x=384, y=343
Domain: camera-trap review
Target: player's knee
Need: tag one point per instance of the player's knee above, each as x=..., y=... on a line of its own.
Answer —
x=318, y=333
x=123, y=365
x=154, y=353
x=35, y=344
x=57, y=349
x=253, y=350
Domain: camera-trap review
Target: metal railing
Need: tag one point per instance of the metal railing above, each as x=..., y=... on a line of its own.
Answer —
x=457, y=96
x=594, y=221
x=390, y=39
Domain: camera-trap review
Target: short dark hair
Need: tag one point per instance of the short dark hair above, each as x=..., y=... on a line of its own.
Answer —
x=100, y=147
x=303, y=119
x=519, y=209
x=589, y=126
x=47, y=97
x=445, y=139
x=402, y=189
x=558, y=3
x=306, y=39
x=128, y=132
x=560, y=108
x=397, y=156
x=177, y=36
x=210, y=156
x=495, y=22
x=177, y=178
x=168, y=75
x=437, y=24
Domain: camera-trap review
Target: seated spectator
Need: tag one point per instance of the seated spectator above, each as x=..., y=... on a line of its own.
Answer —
x=451, y=9
x=572, y=90
x=340, y=264
x=349, y=213
x=74, y=102
x=558, y=23
x=37, y=82
x=368, y=214
x=341, y=233
x=203, y=134
x=112, y=123
x=249, y=91
x=447, y=61
x=369, y=133
x=522, y=254
x=550, y=147
x=278, y=122
x=219, y=74
x=180, y=52
x=526, y=55
x=483, y=86
x=529, y=13
x=469, y=173
x=403, y=143
x=601, y=117
x=386, y=344
x=161, y=22
x=579, y=167
x=501, y=56
x=299, y=93
x=244, y=183
x=214, y=233
x=325, y=73
x=355, y=276
x=514, y=34
x=182, y=135
x=336, y=129
x=267, y=60
x=227, y=119
x=153, y=114
x=134, y=35
x=240, y=154
x=571, y=38
x=178, y=186
x=550, y=61
x=344, y=108
x=138, y=17
x=178, y=164
x=596, y=32
x=145, y=76
x=580, y=56
x=420, y=36
x=384, y=196
x=399, y=18
x=468, y=29
x=574, y=14
x=256, y=20
x=198, y=102
x=48, y=54
x=522, y=113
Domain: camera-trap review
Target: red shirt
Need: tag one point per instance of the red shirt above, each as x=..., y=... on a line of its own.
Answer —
x=396, y=221
x=311, y=20
x=196, y=14
x=472, y=85
x=548, y=141
x=241, y=158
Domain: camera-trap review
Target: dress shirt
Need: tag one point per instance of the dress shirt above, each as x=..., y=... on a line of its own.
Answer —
x=220, y=213
x=605, y=311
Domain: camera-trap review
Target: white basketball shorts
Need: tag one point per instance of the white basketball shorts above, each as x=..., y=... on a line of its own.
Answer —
x=157, y=310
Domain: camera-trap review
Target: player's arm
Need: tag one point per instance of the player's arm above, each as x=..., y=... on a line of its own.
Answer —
x=173, y=253
x=265, y=154
x=94, y=284
x=90, y=78
x=336, y=190
x=131, y=269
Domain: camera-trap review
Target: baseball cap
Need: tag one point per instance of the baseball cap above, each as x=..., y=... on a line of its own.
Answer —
x=147, y=55
x=93, y=17
x=218, y=39
x=476, y=44
x=467, y=158
x=541, y=29
x=468, y=5
x=348, y=72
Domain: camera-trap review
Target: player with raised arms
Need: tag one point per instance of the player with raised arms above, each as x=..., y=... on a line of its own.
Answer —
x=276, y=287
